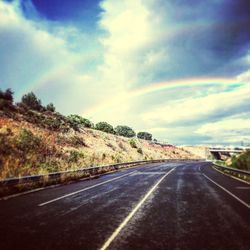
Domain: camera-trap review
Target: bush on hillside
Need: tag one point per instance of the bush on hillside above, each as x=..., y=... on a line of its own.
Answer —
x=139, y=150
x=51, y=123
x=75, y=156
x=32, y=102
x=125, y=131
x=6, y=99
x=77, y=121
x=105, y=127
x=242, y=162
x=27, y=141
x=50, y=107
x=7, y=95
x=132, y=143
x=144, y=135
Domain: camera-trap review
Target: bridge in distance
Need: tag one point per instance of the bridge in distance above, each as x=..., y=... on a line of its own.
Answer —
x=178, y=205
x=219, y=152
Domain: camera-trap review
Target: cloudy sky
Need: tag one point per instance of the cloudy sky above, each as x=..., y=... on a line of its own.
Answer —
x=178, y=69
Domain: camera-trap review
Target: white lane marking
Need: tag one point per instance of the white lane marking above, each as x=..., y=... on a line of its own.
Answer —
x=229, y=175
x=224, y=189
x=131, y=214
x=82, y=190
x=149, y=173
x=28, y=192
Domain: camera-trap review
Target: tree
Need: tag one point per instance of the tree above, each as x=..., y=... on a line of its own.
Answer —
x=125, y=131
x=50, y=107
x=144, y=135
x=7, y=95
x=76, y=121
x=105, y=127
x=6, y=99
x=31, y=101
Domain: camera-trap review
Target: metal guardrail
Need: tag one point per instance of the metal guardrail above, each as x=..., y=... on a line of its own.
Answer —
x=73, y=174
x=237, y=171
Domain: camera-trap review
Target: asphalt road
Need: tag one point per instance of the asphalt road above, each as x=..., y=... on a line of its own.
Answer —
x=185, y=205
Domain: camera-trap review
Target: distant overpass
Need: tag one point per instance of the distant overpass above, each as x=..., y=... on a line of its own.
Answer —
x=220, y=153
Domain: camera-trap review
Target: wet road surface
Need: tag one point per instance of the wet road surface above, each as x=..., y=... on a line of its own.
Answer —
x=181, y=205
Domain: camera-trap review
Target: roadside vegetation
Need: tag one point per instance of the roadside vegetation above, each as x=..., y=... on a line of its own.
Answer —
x=242, y=161
x=36, y=139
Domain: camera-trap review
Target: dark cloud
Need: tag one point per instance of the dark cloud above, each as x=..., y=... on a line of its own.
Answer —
x=209, y=38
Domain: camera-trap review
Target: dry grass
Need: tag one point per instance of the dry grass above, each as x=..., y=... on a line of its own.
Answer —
x=71, y=150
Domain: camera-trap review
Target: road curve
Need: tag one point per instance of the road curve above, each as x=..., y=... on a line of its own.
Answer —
x=181, y=205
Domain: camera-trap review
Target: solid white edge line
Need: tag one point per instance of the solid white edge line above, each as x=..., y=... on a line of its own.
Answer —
x=229, y=175
x=4, y=198
x=224, y=189
x=131, y=214
x=82, y=190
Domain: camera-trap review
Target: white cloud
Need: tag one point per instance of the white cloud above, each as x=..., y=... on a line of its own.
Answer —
x=190, y=110
x=138, y=46
x=37, y=57
x=232, y=130
x=131, y=53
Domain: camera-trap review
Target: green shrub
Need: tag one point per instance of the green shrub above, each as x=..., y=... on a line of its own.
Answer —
x=27, y=141
x=103, y=156
x=75, y=156
x=32, y=102
x=132, y=143
x=76, y=121
x=242, y=162
x=6, y=145
x=139, y=150
x=124, y=131
x=105, y=127
x=7, y=95
x=50, y=166
x=51, y=123
x=6, y=99
x=50, y=107
x=144, y=135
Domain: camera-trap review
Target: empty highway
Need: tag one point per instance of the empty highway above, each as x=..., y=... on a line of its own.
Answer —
x=181, y=205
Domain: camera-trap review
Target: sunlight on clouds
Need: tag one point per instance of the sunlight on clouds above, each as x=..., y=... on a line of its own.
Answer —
x=140, y=44
x=9, y=13
x=198, y=110
x=131, y=56
x=228, y=130
x=128, y=25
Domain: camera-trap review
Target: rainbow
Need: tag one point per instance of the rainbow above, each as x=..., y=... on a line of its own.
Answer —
x=55, y=72
x=155, y=87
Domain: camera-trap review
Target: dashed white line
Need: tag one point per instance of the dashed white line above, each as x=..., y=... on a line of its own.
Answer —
x=227, y=191
x=131, y=214
x=82, y=190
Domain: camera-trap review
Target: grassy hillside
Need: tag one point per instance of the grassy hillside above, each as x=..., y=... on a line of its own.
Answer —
x=27, y=149
x=35, y=139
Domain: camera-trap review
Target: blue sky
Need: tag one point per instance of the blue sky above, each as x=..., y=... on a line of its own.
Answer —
x=135, y=62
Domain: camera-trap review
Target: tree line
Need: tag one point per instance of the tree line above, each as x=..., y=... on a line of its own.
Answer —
x=30, y=101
